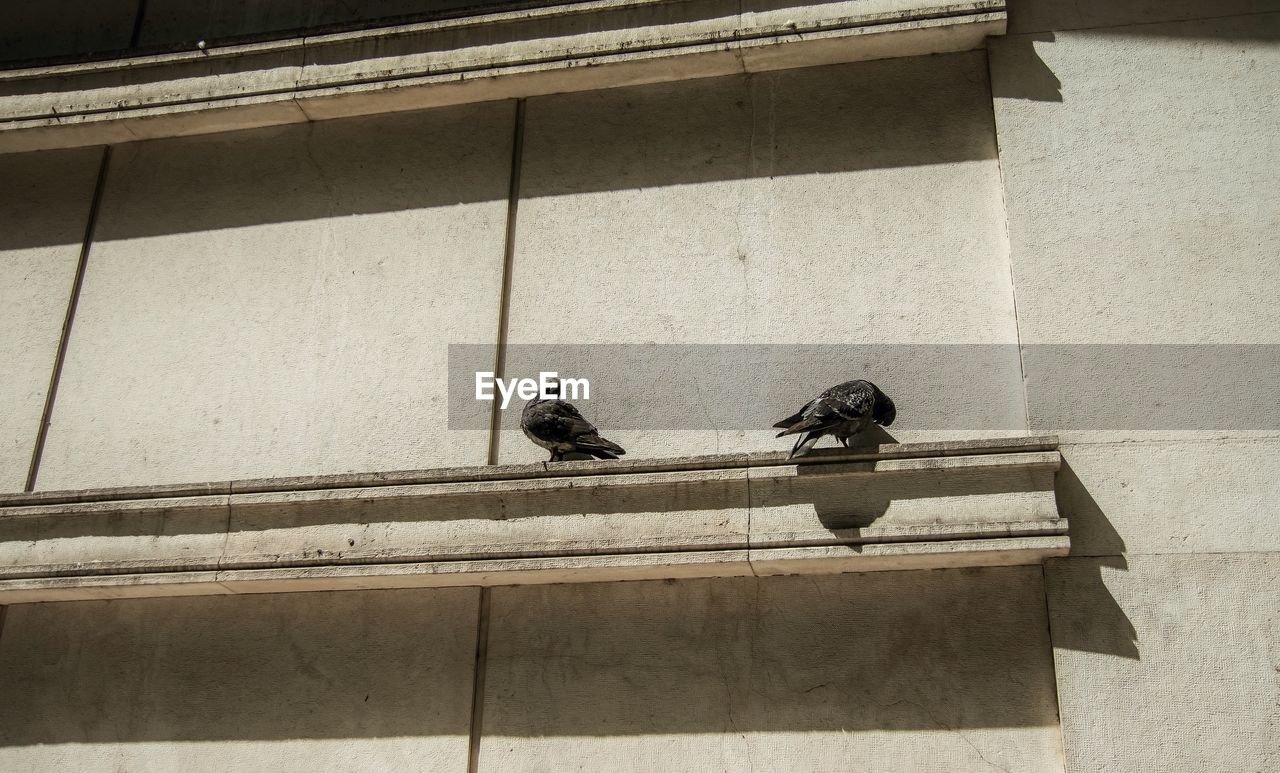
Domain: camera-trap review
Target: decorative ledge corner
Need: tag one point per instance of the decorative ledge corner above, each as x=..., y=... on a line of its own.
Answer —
x=545, y=50
x=908, y=506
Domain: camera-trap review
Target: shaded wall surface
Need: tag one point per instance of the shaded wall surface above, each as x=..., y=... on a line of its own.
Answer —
x=941, y=671
x=280, y=302
x=898, y=671
x=96, y=29
x=326, y=681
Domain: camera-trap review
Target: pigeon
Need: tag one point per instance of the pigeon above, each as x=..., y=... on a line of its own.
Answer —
x=842, y=411
x=558, y=427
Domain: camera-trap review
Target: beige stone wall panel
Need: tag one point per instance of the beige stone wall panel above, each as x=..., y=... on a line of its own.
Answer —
x=280, y=302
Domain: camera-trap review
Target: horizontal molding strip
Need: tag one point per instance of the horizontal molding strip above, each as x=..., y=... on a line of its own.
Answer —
x=822, y=456
x=527, y=571
x=494, y=56
x=909, y=506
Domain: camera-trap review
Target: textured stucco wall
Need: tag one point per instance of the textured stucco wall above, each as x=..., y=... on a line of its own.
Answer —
x=44, y=206
x=1139, y=164
x=1168, y=662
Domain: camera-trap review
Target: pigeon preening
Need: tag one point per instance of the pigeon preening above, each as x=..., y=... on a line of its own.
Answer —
x=558, y=427
x=842, y=412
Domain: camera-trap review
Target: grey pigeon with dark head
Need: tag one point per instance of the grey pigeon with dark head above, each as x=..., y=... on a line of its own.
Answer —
x=558, y=427
x=842, y=412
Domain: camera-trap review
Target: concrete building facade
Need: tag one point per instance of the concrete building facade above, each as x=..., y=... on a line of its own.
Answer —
x=239, y=241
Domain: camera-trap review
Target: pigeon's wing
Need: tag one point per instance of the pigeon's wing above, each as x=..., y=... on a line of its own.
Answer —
x=572, y=418
x=560, y=422
x=586, y=436
x=556, y=421
x=852, y=400
x=843, y=408
x=818, y=416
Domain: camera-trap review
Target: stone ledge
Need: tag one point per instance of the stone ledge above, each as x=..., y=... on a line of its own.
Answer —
x=540, y=470
x=530, y=571
x=894, y=507
x=554, y=49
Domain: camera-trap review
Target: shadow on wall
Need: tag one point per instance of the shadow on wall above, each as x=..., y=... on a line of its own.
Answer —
x=1143, y=18
x=845, y=510
x=1019, y=72
x=80, y=30
x=888, y=651
x=884, y=651
x=1090, y=620
x=893, y=113
x=314, y=665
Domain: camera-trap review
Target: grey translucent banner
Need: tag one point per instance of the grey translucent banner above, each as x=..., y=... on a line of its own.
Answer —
x=935, y=387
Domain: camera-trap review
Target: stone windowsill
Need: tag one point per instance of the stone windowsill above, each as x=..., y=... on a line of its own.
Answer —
x=554, y=49
x=908, y=506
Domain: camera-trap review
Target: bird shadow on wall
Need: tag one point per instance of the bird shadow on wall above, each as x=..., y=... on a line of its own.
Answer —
x=821, y=504
x=1084, y=615
x=837, y=513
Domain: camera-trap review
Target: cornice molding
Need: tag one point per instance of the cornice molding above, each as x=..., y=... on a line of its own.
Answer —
x=573, y=47
x=909, y=506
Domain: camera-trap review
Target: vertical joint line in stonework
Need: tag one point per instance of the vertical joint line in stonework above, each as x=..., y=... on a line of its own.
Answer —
x=477, y=684
x=135, y=37
x=495, y=416
x=508, y=259
x=60, y=357
x=1053, y=663
x=1008, y=243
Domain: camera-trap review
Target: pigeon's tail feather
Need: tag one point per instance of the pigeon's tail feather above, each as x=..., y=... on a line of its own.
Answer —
x=804, y=444
x=596, y=445
x=813, y=422
x=789, y=421
x=607, y=445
